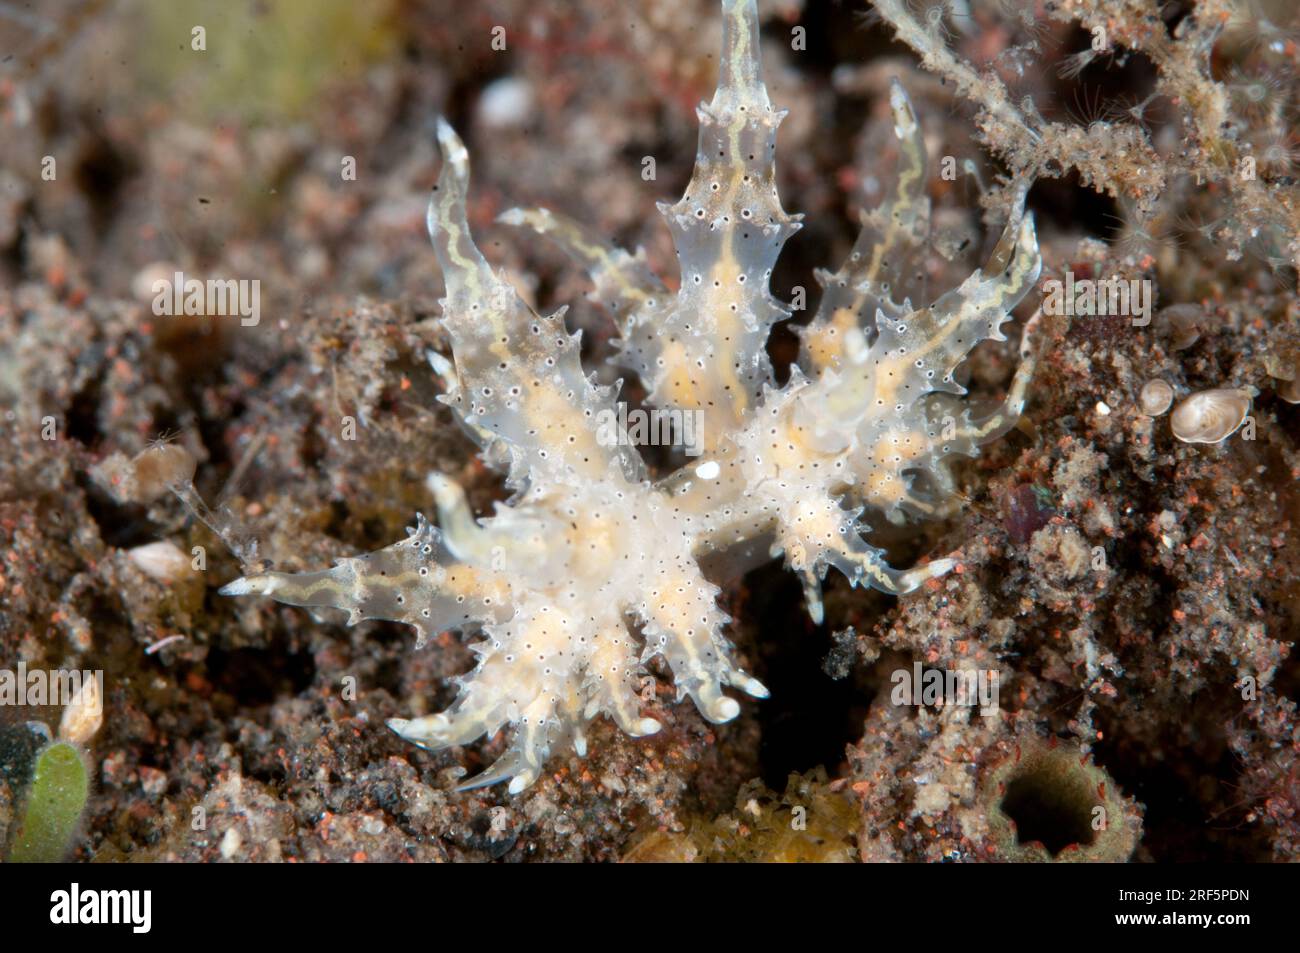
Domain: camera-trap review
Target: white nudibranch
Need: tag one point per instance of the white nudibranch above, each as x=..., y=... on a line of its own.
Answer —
x=593, y=568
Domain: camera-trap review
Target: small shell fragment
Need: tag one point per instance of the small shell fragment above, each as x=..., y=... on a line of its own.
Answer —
x=161, y=467
x=1286, y=377
x=84, y=713
x=1184, y=322
x=162, y=561
x=1210, y=416
x=1156, y=397
x=506, y=102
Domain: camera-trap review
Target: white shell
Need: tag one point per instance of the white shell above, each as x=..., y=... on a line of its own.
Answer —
x=1210, y=416
x=162, y=561
x=1156, y=397
x=85, y=711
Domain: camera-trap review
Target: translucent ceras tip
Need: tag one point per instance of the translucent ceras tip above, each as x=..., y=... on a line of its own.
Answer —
x=445, y=492
x=401, y=727
x=816, y=612
x=1210, y=416
x=242, y=586
x=444, y=368
x=750, y=686
x=453, y=150
x=426, y=731
x=512, y=216
x=901, y=106
x=261, y=584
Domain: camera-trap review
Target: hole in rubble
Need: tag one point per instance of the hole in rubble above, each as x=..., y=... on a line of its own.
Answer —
x=253, y=677
x=810, y=718
x=1052, y=805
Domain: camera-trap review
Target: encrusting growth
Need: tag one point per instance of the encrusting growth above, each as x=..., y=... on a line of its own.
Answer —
x=592, y=569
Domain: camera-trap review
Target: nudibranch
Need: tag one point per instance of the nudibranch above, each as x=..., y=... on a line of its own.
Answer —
x=593, y=567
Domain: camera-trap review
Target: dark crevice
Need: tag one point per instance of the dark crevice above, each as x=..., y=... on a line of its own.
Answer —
x=82, y=419
x=101, y=172
x=121, y=525
x=254, y=677
x=1184, y=820
x=1067, y=199
x=810, y=718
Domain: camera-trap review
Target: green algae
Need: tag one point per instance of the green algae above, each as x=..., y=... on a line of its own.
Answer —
x=55, y=804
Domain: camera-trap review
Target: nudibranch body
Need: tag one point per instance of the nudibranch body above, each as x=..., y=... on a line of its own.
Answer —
x=593, y=568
